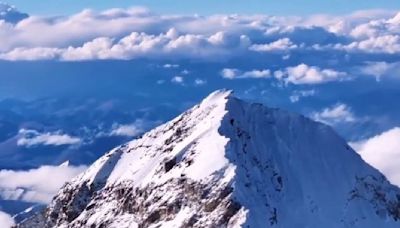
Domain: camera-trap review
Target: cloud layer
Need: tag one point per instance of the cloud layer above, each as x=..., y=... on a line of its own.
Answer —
x=6, y=221
x=35, y=185
x=309, y=50
x=30, y=138
x=383, y=152
x=137, y=32
x=130, y=130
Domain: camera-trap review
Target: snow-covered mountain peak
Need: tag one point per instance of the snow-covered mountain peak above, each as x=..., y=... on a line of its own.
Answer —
x=395, y=19
x=10, y=14
x=4, y=7
x=218, y=97
x=228, y=163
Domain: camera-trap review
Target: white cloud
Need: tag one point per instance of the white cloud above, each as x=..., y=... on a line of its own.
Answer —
x=383, y=152
x=35, y=185
x=99, y=48
x=304, y=74
x=380, y=44
x=133, y=129
x=168, y=65
x=380, y=69
x=230, y=73
x=283, y=44
x=296, y=95
x=78, y=28
x=177, y=79
x=135, y=45
x=6, y=221
x=30, y=54
x=129, y=130
x=377, y=69
x=30, y=138
x=374, y=36
x=185, y=72
x=370, y=29
x=136, y=32
x=199, y=82
x=339, y=113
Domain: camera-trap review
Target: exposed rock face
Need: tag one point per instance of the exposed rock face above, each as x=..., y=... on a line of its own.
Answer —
x=228, y=163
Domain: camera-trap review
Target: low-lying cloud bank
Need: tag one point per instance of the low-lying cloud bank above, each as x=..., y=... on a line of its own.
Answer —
x=137, y=32
x=36, y=185
x=6, y=221
x=298, y=51
x=383, y=152
x=29, y=138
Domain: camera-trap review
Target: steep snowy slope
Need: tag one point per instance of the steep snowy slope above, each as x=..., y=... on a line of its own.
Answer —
x=228, y=163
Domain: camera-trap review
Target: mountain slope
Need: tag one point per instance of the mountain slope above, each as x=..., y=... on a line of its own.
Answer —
x=228, y=163
x=10, y=14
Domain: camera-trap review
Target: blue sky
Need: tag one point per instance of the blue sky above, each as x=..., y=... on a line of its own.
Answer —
x=283, y=7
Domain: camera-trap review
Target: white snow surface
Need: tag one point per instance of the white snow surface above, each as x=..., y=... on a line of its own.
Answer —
x=286, y=170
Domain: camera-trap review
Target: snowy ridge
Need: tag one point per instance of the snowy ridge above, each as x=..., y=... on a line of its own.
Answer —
x=10, y=14
x=228, y=163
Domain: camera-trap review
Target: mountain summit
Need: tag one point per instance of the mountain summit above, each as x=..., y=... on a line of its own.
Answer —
x=10, y=14
x=228, y=163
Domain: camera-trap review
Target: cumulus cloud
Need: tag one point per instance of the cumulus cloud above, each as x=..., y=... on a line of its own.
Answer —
x=129, y=130
x=29, y=138
x=339, y=113
x=380, y=44
x=304, y=74
x=283, y=44
x=230, y=73
x=383, y=152
x=136, y=45
x=177, y=79
x=35, y=185
x=30, y=54
x=6, y=221
x=79, y=28
x=137, y=32
x=136, y=128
